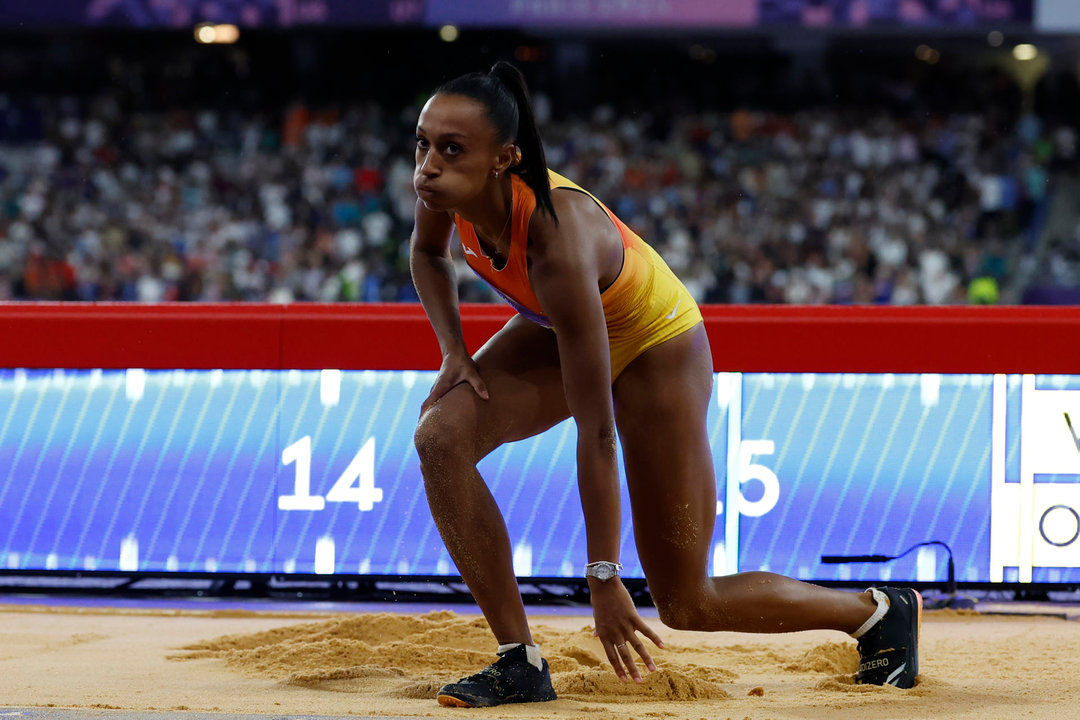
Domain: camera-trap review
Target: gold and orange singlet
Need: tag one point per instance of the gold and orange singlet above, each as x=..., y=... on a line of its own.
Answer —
x=645, y=306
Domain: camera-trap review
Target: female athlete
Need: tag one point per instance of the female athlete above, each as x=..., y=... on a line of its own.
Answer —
x=606, y=334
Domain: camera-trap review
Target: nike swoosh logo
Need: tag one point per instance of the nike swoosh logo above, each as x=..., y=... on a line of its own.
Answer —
x=671, y=315
x=468, y=250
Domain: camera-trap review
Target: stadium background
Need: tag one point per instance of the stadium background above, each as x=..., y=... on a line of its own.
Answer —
x=817, y=152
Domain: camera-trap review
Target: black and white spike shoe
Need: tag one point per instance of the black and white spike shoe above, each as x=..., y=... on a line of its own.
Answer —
x=889, y=651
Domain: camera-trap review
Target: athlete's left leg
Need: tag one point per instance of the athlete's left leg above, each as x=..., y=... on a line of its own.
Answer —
x=661, y=400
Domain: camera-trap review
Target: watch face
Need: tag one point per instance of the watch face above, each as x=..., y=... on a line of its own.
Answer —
x=604, y=572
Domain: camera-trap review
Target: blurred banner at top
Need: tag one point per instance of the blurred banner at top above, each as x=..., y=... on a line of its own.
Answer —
x=594, y=14
x=186, y=13
x=1058, y=16
x=730, y=13
x=902, y=13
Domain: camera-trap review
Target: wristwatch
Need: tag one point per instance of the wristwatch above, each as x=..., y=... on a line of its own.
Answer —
x=602, y=570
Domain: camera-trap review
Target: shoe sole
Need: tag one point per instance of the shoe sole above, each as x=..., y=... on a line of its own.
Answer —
x=450, y=701
x=918, y=630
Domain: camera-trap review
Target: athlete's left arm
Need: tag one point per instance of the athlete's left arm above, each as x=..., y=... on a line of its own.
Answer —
x=565, y=272
x=567, y=264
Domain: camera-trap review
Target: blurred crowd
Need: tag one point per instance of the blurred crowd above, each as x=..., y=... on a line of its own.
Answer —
x=206, y=206
x=817, y=206
x=826, y=206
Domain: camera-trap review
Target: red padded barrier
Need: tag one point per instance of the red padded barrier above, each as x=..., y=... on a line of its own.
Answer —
x=397, y=336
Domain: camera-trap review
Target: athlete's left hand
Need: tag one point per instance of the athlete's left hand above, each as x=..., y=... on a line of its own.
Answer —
x=617, y=626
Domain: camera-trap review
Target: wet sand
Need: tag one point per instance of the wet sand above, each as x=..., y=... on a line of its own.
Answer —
x=390, y=664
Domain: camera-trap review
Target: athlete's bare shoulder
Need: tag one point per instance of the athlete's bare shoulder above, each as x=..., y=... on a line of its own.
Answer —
x=580, y=220
x=583, y=232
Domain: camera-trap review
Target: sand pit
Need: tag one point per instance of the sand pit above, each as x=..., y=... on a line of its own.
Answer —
x=391, y=664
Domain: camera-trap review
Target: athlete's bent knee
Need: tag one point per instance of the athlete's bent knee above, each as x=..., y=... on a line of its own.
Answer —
x=440, y=441
x=684, y=610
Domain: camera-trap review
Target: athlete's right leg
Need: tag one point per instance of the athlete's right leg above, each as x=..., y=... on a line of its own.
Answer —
x=520, y=366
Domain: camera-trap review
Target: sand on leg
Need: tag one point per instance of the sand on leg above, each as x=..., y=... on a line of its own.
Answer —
x=661, y=400
x=520, y=365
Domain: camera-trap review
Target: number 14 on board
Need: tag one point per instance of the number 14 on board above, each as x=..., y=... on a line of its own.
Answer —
x=356, y=484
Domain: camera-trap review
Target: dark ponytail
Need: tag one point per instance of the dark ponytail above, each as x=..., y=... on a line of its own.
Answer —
x=504, y=93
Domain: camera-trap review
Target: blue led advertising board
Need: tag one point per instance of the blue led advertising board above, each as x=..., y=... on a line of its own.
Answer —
x=315, y=472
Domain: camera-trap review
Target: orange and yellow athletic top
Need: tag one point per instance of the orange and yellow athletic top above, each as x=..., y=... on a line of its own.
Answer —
x=645, y=306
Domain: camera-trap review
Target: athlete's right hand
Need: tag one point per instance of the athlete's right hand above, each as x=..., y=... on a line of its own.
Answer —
x=456, y=369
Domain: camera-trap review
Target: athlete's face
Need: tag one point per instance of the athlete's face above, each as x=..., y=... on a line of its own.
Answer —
x=457, y=151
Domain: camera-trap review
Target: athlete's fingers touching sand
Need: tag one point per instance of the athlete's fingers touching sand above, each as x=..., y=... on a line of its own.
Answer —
x=617, y=626
x=621, y=657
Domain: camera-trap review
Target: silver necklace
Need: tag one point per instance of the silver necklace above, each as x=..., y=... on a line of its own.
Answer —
x=498, y=238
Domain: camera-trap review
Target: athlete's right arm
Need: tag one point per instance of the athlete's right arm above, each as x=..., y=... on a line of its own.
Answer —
x=436, y=284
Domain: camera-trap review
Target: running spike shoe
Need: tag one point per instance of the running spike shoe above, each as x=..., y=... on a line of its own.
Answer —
x=510, y=679
x=889, y=651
